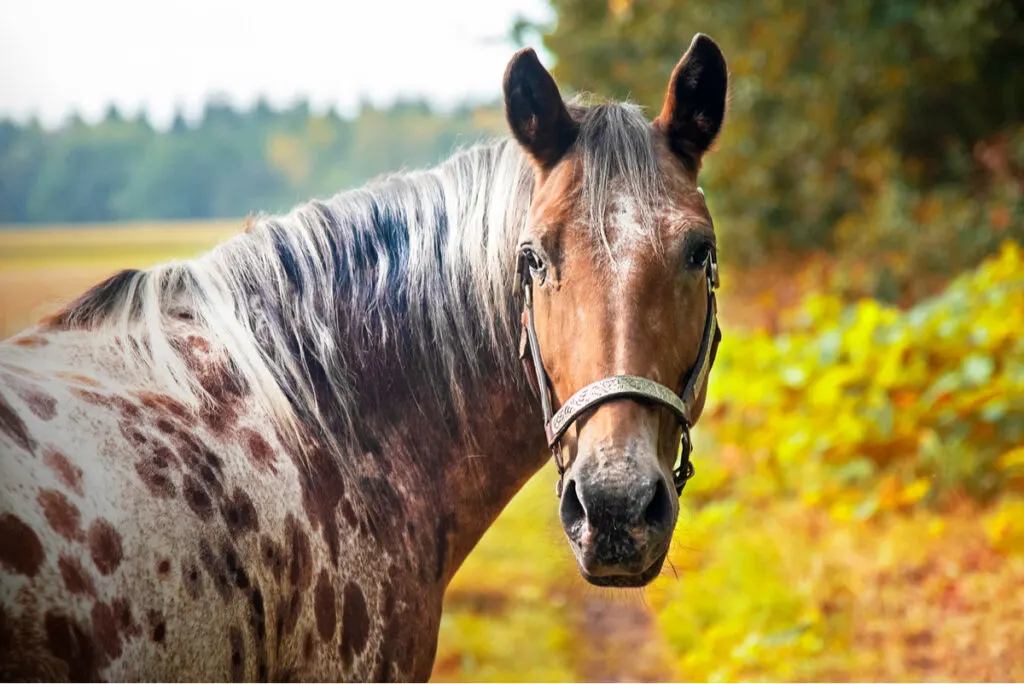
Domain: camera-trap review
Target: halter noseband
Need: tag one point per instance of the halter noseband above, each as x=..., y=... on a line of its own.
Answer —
x=616, y=386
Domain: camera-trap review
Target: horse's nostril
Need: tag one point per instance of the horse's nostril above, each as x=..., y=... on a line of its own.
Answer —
x=659, y=510
x=571, y=511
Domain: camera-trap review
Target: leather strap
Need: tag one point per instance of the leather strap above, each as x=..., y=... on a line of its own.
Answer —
x=617, y=386
x=636, y=387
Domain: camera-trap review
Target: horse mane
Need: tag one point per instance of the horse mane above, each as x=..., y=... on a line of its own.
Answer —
x=417, y=265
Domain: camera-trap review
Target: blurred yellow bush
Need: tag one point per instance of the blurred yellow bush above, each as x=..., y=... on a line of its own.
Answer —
x=857, y=514
x=871, y=409
x=862, y=517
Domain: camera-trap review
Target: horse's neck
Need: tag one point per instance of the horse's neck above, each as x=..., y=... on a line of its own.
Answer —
x=460, y=442
x=458, y=478
x=460, y=468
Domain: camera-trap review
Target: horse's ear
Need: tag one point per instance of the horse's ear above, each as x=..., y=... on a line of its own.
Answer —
x=695, y=102
x=535, y=110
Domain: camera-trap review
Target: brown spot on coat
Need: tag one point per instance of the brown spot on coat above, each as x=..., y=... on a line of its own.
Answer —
x=153, y=473
x=105, y=546
x=157, y=625
x=192, y=579
x=62, y=515
x=323, y=489
x=301, y=567
x=164, y=566
x=262, y=453
x=161, y=403
x=69, y=642
x=14, y=427
x=240, y=514
x=355, y=624
x=21, y=552
x=76, y=578
x=197, y=498
x=211, y=480
x=237, y=654
x=30, y=341
x=90, y=397
x=129, y=410
x=273, y=557
x=198, y=344
x=134, y=435
x=326, y=611
x=67, y=472
x=214, y=565
x=125, y=620
x=258, y=622
x=76, y=377
x=38, y=402
x=307, y=647
x=224, y=568
x=104, y=629
x=226, y=391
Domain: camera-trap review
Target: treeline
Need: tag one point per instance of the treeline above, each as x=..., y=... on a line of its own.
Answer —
x=229, y=162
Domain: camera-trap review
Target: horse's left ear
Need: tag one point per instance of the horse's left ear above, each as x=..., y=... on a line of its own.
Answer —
x=535, y=111
x=695, y=102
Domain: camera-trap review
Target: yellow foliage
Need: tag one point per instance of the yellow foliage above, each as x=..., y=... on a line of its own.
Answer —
x=891, y=408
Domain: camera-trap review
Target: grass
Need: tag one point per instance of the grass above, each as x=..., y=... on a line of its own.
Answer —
x=42, y=268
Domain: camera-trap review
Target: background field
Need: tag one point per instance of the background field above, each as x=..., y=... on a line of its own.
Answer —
x=892, y=554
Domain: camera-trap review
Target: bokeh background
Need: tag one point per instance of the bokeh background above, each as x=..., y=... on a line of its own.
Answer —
x=858, y=510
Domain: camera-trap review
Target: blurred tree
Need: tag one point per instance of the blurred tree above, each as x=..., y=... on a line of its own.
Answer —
x=179, y=124
x=21, y=155
x=230, y=162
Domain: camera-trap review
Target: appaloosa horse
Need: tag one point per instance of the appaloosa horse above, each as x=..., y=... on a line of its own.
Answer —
x=268, y=462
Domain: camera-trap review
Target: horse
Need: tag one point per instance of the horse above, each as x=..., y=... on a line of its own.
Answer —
x=268, y=462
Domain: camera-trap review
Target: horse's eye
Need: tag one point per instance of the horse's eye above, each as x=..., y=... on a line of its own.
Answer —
x=534, y=261
x=699, y=254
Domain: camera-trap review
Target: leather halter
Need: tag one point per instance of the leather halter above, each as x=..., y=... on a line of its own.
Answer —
x=616, y=386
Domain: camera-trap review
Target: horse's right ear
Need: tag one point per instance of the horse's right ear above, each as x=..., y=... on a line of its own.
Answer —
x=535, y=111
x=694, y=107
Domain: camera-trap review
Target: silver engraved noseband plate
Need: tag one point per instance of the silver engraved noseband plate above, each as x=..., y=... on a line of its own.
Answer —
x=608, y=388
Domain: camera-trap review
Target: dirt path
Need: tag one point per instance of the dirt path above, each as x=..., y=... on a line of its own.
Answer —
x=622, y=641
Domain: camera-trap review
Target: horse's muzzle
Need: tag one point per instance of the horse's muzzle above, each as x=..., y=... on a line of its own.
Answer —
x=619, y=529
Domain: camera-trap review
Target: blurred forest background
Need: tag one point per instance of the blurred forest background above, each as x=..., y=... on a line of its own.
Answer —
x=858, y=509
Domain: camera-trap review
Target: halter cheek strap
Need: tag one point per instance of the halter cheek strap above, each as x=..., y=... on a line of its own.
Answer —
x=619, y=386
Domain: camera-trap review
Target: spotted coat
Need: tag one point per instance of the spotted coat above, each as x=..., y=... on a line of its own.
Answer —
x=143, y=539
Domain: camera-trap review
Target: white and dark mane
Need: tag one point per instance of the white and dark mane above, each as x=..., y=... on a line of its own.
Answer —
x=414, y=270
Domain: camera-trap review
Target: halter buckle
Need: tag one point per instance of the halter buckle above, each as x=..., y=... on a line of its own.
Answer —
x=682, y=473
x=556, y=454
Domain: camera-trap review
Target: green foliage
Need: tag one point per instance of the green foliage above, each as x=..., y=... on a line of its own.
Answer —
x=867, y=409
x=229, y=164
x=857, y=127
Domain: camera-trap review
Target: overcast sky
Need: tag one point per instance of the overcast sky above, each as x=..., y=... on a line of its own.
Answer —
x=58, y=56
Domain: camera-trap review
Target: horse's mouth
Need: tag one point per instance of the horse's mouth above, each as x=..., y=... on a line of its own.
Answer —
x=626, y=578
